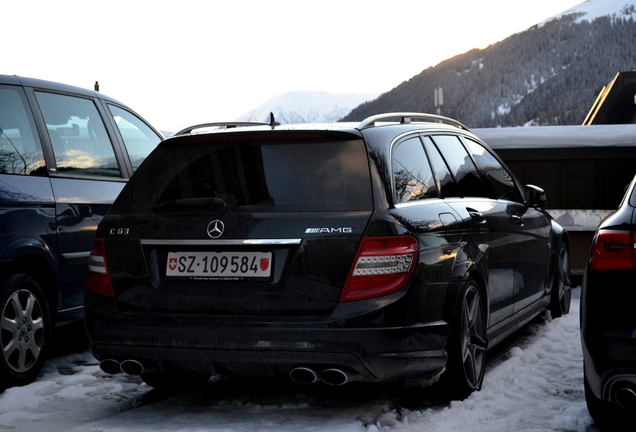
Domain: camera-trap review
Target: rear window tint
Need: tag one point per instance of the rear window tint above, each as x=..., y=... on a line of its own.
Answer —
x=289, y=176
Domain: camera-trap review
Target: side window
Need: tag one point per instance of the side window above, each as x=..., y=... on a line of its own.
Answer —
x=20, y=150
x=412, y=174
x=138, y=137
x=447, y=184
x=462, y=167
x=80, y=142
x=501, y=180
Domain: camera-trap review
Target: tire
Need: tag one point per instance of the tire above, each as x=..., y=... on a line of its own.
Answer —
x=561, y=287
x=25, y=330
x=174, y=381
x=466, y=347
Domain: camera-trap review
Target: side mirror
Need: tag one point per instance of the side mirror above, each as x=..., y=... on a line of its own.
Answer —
x=535, y=196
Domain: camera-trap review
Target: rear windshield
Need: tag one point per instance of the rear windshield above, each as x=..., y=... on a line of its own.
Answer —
x=252, y=176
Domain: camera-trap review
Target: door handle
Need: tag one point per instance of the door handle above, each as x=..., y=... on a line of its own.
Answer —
x=517, y=219
x=476, y=215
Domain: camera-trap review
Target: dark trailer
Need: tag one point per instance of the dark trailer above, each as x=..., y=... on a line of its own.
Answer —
x=583, y=169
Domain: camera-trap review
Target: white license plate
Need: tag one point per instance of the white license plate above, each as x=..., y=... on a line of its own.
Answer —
x=219, y=265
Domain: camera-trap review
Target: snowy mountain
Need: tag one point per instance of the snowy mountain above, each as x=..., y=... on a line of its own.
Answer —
x=549, y=74
x=307, y=107
x=591, y=9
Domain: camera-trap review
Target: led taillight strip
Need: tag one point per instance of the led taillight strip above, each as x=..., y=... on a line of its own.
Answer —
x=381, y=266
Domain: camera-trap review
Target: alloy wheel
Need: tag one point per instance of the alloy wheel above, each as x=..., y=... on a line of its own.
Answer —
x=22, y=331
x=473, y=338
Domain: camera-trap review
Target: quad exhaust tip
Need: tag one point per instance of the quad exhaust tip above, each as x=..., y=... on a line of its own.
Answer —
x=110, y=366
x=130, y=367
x=330, y=376
x=334, y=377
x=626, y=398
x=303, y=375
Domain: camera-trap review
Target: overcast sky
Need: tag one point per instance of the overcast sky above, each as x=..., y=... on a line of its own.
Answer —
x=185, y=62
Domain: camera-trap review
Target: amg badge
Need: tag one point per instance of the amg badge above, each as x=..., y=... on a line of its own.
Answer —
x=344, y=230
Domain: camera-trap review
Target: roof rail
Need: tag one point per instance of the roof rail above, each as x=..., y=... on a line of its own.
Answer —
x=407, y=117
x=272, y=123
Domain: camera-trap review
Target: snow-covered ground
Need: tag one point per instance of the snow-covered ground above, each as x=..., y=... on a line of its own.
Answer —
x=534, y=383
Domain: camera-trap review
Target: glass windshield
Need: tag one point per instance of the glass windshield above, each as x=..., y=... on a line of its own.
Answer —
x=323, y=176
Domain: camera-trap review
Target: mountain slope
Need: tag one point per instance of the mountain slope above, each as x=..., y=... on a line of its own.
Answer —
x=548, y=74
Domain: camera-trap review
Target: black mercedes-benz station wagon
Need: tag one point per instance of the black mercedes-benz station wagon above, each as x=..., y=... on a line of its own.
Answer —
x=395, y=248
x=65, y=154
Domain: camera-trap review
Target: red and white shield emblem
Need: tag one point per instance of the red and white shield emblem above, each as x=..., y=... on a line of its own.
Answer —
x=264, y=264
x=172, y=264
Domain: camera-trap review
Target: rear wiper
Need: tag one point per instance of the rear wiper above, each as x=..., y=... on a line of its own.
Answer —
x=214, y=203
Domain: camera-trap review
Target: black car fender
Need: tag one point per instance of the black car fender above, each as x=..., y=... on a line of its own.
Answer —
x=35, y=257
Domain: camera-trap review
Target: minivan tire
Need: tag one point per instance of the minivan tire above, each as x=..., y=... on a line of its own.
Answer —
x=25, y=330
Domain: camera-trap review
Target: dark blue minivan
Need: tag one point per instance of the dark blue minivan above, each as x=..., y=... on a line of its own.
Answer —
x=65, y=154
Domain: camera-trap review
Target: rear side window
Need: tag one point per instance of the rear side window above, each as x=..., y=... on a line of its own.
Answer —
x=138, y=137
x=20, y=150
x=80, y=142
x=462, y=167
x=447, y=184
x=500, y=179
x=270, y=176
x=412, y=175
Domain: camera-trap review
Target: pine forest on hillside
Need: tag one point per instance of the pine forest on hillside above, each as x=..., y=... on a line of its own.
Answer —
x=547, y=75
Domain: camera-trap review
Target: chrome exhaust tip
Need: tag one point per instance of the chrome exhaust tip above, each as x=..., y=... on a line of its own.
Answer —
x=303, y=375
x=335, y=377
x=626, y=398
x=132, y=367
x=110, y=366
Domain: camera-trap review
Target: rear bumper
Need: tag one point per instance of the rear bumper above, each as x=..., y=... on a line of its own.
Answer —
x=608, y=332
x=610, y=365
x=231, y=346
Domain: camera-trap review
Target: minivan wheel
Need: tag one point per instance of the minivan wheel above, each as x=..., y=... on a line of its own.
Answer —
x=466, y=347
x=561, y=288
x=25, y=330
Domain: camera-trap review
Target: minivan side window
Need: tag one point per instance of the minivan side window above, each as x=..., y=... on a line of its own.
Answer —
x=412, y=175
x=138, y=137
x=462, y=167
x=20, y=150
x=502, y=182
x=80, y=142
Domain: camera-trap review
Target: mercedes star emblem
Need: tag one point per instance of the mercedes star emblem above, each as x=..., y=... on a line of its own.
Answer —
x=215, y=229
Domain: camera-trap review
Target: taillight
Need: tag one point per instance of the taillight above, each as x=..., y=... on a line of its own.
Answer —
x=98, y=274
x=382, y=265
x=613, y=250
